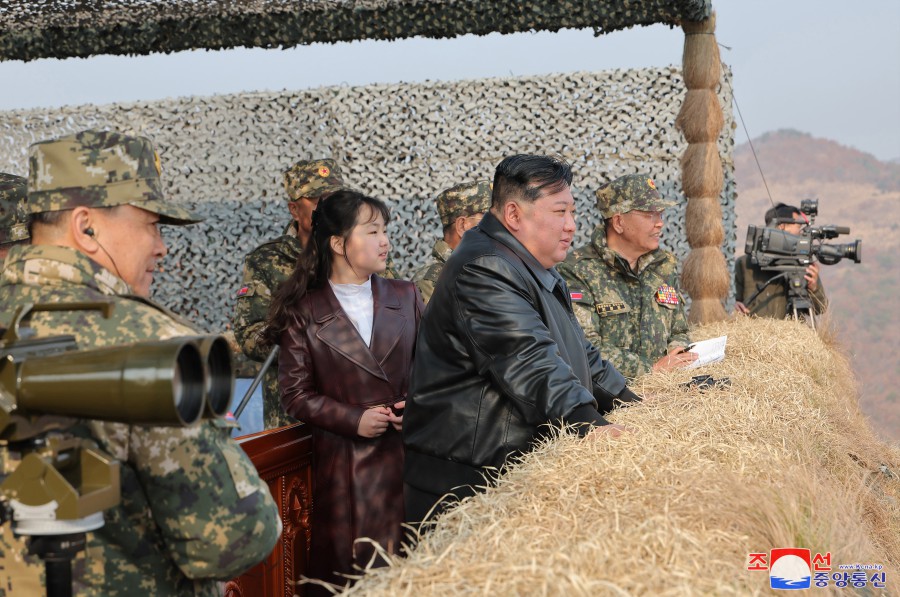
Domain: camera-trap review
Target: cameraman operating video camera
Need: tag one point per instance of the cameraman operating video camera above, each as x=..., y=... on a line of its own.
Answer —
x=772, y=301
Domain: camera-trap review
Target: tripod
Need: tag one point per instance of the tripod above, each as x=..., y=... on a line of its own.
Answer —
x=800, y=307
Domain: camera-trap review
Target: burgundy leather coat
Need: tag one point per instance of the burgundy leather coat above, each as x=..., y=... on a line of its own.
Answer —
x=328, y=378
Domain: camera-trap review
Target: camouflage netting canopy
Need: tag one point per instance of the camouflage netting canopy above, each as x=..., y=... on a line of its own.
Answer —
x=35, y=29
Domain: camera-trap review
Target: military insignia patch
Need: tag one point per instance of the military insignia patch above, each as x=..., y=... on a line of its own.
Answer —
x=324, y=171
x=666, y=295
x=576, y=295
x=610, y=308
x=651, y=183
x=243, y=291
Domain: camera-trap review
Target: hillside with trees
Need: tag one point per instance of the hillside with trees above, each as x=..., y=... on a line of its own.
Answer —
x=856, y=190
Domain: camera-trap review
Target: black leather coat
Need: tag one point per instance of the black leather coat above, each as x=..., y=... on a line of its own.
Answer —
x=499, y=355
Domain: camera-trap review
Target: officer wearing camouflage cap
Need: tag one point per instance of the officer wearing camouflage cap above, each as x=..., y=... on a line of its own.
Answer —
x=461, y=208
x=13, y=221
x=265, y=268
x=96, y=203
x=624, y=288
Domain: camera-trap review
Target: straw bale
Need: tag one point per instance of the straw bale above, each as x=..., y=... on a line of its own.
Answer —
x=701, y=170
x=700, y=59
x=700, y=119
x=703, y=222
x=781, y=457
x=704, y=274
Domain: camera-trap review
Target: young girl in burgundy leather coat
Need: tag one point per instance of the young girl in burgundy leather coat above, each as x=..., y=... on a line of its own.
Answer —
x=347, y=340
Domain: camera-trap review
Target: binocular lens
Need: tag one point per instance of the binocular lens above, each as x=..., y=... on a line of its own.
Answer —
x=220, y=376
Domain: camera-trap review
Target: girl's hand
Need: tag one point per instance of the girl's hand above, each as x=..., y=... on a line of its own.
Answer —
x=396, y=418
x=374, y=421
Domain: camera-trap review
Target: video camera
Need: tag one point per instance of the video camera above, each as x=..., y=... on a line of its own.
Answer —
x=61, y=482
x=789, y=254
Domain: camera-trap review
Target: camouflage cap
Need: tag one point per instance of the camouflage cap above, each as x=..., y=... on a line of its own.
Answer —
x=98, y=169
x=627, y=193
x=312, y=178
x=466, y=199
x=13, y=219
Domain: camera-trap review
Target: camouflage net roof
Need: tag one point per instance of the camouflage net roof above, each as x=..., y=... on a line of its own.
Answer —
x=79, y=28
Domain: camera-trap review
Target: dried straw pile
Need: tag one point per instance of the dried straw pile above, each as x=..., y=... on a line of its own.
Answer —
x=781, y=458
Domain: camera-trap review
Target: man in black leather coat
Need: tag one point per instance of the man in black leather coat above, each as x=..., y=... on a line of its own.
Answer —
x=500, y=356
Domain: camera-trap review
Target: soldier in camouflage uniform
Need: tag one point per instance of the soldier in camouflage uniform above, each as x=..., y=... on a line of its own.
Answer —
x=18, y=570
x=460, y=207
x=624, y=288
x=270, y=264
x=194, y=510
x=13, y=221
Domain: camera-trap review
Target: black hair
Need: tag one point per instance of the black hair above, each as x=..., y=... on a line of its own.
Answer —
x=335, y=215
x=781, y=211
x=529, y=177
x=45, y=218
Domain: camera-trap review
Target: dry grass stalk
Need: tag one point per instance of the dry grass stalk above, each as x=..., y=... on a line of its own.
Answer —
x=701, y=170
x=700, y=119
x=705, y=274
x=703, y=222
x=704, y=310
x=780, y=458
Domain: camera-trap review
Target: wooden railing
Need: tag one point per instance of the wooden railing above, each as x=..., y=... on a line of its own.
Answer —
x=283, y=457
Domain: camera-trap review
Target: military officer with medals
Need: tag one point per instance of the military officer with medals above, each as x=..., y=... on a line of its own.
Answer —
x=624, y=288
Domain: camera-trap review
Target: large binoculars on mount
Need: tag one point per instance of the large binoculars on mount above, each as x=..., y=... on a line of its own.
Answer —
x=169, y=382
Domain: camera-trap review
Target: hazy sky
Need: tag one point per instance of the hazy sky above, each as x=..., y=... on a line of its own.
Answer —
x=826, y=67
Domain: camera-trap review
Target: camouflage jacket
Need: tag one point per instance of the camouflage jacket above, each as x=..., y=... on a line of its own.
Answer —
x=633, y=318
x=265, y=268
x=426, y=276
x=193, y=508
x=772, y=302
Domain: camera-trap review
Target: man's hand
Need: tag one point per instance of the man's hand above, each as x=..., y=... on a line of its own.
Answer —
x=608, y=430
x=374, y=421
x=812, y=277
x=741, y=308
x=678, y=357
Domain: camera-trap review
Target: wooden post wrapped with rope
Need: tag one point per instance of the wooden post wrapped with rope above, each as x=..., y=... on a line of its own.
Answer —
x=705, y=276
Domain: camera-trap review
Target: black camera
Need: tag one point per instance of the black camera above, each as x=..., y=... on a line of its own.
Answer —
x=789, y=254
x=774, y=249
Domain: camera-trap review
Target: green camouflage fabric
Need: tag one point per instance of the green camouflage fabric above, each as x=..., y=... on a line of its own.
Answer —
x=466, y=199
x=312, y=178
x=772, y=301
x=619, y=308
x=95, y=168
x=627, y=193
x=13, y=219
x=194, y=510
x=61, y=29
x=265, y=268
x=427, y=275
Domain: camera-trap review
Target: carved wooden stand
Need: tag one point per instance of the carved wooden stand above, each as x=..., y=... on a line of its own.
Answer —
x=283, y=457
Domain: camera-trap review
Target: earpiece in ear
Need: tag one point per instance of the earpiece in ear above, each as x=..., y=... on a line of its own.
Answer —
x=89, y=232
